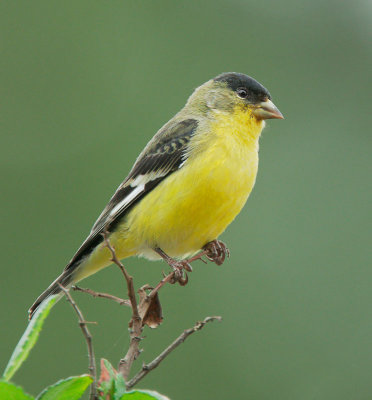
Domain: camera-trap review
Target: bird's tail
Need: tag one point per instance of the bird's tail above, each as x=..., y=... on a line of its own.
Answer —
x=65, y=279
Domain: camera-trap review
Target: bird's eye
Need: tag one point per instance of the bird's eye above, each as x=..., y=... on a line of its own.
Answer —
x=242, y=93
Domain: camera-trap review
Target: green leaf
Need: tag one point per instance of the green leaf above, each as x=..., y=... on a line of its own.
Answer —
x=28, y=339
x=144, y=395
x=120, y=387
x=112, y=383
x=109, y=368
x=107, y=379
x=9, y=391
x=71, y=388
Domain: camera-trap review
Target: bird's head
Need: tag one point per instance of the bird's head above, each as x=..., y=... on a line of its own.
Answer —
x=231, y=91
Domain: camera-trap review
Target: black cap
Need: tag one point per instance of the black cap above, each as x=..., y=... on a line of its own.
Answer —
x=235, y=81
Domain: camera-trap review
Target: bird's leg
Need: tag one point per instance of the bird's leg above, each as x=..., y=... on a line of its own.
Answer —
x=177, y=266
x=216, y=251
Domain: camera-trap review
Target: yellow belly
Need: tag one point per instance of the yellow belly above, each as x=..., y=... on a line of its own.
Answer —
x=194, y=205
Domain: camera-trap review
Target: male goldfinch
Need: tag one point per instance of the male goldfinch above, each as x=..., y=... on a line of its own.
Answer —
x=187, y=185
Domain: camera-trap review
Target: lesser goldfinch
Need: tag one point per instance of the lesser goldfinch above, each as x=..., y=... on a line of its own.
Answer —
x=187, y=185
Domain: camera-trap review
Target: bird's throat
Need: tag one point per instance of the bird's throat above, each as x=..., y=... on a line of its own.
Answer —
x=241, y=125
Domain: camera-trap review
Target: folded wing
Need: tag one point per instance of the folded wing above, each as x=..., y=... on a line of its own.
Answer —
x=163, y=155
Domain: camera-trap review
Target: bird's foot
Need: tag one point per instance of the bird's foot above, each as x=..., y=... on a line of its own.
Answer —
x=216, y=251
x=179, y=268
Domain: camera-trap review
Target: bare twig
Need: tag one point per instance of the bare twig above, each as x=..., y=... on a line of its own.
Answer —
x=146, y=368
x=88, y=339
x=102, y=295
x=135, y=324
x=166, y=279
x=140, y=316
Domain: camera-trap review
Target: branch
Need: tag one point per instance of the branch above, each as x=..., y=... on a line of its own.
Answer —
x=102, y=295
x=88, y=339
x=166, y=279
x=146, y=368
x=148, y=311
x=135, y=323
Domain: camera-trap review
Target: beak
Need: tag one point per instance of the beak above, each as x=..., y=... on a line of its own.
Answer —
x=267, y=110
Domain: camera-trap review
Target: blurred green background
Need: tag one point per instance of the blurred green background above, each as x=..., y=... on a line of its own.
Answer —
x=84, y=86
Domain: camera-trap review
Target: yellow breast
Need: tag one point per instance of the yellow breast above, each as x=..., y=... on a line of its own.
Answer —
x=195, y=204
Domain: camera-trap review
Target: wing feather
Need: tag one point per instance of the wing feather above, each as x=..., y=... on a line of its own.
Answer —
x=163, y=155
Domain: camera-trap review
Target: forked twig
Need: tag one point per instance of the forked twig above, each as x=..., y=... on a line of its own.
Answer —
x=146, y=368
x=88, y=339
x=139, y=316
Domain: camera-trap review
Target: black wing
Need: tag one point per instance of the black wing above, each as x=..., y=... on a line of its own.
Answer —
x=163, y=155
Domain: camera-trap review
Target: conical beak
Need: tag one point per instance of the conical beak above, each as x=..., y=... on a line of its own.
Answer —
x=267, y=110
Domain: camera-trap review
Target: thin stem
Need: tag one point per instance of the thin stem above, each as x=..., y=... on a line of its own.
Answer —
x=135, y=324
x=146, y=368
x=88, y=339
x=102, y=295
x=165, y=280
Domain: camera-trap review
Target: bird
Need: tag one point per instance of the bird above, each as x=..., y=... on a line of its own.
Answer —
x=187, y=185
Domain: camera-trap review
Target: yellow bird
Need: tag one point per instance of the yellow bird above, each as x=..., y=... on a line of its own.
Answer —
x=187, y=185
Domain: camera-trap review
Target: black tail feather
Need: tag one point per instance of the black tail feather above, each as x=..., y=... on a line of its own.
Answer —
x=65, y=279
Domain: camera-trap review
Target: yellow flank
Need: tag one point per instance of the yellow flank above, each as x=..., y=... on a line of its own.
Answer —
x=194, y=205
